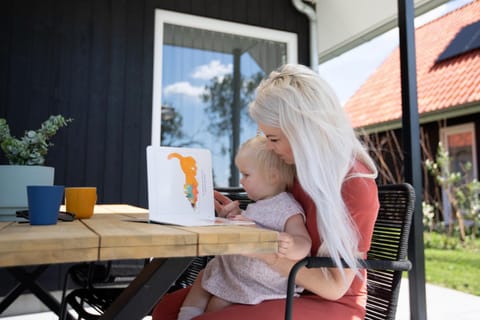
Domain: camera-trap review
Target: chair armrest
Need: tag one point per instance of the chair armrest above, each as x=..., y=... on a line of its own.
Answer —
x=377, y=264
x=326, y=262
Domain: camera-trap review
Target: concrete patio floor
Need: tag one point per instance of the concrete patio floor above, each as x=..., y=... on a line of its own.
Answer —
x=442, y=304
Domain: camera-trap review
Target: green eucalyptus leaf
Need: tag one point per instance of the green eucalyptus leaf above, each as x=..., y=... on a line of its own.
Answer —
x=32, y=148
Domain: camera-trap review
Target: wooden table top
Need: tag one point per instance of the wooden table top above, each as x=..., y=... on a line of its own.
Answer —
x=120, y=232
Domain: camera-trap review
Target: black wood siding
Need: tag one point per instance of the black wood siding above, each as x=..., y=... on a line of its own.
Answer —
x=92, y=60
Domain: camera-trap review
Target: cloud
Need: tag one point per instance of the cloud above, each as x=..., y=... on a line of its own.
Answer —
x=214, y=69
x=184, y=88
x=203, y=72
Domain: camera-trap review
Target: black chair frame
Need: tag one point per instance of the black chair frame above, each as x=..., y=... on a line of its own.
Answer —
x=386, y=259
x=100, y=284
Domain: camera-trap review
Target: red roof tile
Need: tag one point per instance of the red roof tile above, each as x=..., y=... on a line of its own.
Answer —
x=440, y=86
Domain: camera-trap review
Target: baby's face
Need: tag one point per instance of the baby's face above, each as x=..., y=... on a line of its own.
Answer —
x=254, y=180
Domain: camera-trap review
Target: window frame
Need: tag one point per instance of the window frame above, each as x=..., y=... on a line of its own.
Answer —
x=462, y=128
x=445, y=132
x=181, y=19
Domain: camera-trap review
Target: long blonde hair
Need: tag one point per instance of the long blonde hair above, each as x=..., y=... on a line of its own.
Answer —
x=324, y=145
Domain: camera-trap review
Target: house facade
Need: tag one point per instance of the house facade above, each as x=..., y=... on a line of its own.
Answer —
x=448, y=84
x=111, y=65
x=119, y=67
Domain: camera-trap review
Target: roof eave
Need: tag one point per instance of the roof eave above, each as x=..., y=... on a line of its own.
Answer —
x=365, y=32
x=453, y=112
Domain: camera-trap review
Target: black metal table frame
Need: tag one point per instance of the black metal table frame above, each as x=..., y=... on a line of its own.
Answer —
x=27, y=280
x=144, y=292
x=135, y=302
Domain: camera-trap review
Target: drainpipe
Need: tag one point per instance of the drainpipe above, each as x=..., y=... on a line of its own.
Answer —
x=312, y=17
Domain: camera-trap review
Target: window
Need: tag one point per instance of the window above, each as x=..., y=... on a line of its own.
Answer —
x=459, y=142
x=205, y=73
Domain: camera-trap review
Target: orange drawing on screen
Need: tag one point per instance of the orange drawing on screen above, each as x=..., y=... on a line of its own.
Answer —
x=189, y=168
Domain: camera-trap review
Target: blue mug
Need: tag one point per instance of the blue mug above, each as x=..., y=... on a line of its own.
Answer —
x=44, y=204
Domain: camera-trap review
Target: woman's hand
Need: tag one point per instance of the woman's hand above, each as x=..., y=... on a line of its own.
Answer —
x=225, y=207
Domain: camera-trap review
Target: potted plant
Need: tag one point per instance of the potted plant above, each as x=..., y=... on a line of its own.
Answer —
x=26, y=157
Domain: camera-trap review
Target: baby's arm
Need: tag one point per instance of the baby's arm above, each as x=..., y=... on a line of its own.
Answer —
x=295, y=242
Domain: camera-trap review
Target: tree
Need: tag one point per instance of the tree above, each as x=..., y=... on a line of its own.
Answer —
x=172, y=133
x=219, y=98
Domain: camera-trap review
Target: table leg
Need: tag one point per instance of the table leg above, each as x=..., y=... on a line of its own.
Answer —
x=20, y=287
x=138, y=299
x=27, y=281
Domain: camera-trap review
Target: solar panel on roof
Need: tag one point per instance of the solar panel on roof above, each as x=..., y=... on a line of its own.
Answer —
x=467, y=39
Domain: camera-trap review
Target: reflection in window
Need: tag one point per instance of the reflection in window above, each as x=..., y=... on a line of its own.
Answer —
x=460, y=149
x=208, y=79
x=459, y=142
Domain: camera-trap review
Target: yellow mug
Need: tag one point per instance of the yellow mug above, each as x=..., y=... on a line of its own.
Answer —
x=80, y=201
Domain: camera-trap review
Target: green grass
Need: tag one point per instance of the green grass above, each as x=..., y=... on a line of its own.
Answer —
x=451, y=265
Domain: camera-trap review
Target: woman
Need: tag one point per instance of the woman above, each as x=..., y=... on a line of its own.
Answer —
x=306, y=126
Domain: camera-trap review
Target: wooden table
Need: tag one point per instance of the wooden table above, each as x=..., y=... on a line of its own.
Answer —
x=121, y=232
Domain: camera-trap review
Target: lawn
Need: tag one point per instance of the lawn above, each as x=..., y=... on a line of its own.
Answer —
x=456, y=267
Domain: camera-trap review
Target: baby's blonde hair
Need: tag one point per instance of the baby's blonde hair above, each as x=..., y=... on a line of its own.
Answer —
x=267, y=161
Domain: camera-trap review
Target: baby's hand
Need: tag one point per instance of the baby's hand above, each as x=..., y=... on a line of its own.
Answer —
x=225, y=207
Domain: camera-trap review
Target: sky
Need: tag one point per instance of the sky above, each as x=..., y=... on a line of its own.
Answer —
x=347, y=72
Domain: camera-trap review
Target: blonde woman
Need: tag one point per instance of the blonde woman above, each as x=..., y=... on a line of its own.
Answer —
x=306, y=126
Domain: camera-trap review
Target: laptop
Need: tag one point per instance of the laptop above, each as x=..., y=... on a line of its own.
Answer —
x=180, y=187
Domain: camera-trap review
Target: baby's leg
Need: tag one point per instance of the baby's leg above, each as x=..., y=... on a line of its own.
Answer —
x=195, y=302
x=216, y=304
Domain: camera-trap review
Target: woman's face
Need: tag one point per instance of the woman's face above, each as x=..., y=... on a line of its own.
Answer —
x=277, y=142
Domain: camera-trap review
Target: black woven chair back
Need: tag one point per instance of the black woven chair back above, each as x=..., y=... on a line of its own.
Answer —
x=386, y=259
x=389, y=242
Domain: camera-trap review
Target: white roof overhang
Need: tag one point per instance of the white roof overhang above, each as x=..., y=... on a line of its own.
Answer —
x=345, y=24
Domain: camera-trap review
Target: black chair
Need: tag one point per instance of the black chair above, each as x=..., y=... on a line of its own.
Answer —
x=99, y=285
x=386, y=259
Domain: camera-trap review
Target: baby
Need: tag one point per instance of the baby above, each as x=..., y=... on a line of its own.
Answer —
x=242, y=279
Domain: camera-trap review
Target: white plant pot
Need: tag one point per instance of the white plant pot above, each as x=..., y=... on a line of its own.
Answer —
x=13, y=185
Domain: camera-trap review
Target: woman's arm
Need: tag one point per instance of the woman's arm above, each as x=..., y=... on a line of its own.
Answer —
x=294, y=244
x=324, y=282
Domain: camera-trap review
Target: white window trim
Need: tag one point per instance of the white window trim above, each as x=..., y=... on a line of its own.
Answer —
x=444, y=133
x=181, y=19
